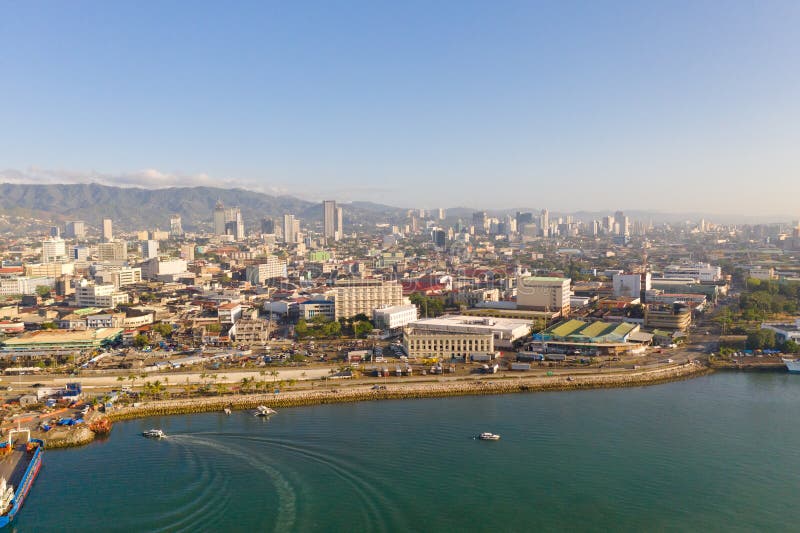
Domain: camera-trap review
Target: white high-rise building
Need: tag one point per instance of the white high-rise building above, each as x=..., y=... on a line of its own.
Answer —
x=149, y=249
x=289, y=233
x=54, y=250
x=353, y=297
x=329, y=219
x=75, y=229
x=175, y=226
x=108, y=230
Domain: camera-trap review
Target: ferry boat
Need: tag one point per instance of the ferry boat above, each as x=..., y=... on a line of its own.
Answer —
x=19, y=466
x=792, y=365
x=488, y=436
x=154, y=434
x=263, y=410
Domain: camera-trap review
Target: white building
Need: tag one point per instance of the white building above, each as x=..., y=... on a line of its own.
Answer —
x=544, y=294
x=168, y=270
x=311, y=308
x=355, y=297
x=394, y=317
x=23, y=285
x=505, y=331
x=272, y=267
x=54, y=250
x=149, y=249
x=93, y=295
x=631, y=285
x=119, y=276
x=108, y=232
x=784, y=332
x=702, y=272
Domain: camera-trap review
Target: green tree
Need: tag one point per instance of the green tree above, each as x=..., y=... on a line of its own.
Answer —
x=362, y=328
x=49, y=325
x=301, y=329
x=141, y=341
x=163, y=329
x=43, y=291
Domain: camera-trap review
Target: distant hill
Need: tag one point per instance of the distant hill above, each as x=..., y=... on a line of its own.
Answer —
x=133, y=208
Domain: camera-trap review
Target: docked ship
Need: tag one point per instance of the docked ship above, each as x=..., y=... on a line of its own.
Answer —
x=19, y=465
x=792, y=365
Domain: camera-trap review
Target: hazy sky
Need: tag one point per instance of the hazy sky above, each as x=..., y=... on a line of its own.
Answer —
x=675, y=106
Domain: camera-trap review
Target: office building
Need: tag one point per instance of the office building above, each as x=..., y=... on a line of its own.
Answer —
x=75, y=229
x=631, y=285
x=112, y=251
x=54, y=250
x=108, y=230
x=104, y=296
x=289, y=229
x=175, y=226
x=544, y=294
x=271, y=268
x=149, y=249
x=395, y=317
x=219, y=218
x=267, y=226
x=426, y=343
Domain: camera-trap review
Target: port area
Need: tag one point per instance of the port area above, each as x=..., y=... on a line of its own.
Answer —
x=760, y=363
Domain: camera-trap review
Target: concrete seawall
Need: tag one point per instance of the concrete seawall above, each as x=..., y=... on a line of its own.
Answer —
x=356, y=393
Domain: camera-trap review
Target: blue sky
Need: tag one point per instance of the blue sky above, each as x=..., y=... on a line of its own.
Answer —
x=674, y=106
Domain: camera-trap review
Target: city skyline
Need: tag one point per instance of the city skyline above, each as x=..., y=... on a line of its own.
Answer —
x=500, y=106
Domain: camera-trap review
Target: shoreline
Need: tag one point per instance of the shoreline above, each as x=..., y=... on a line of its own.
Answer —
x=350, y=393
x=400, y=391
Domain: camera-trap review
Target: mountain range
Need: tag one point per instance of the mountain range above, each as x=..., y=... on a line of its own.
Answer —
x=137, y=208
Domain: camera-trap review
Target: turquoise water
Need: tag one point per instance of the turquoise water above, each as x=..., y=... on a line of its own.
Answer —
x=716, y=453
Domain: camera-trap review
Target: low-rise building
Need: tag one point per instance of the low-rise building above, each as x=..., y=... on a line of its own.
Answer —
x=395, y=317
x=427, y=343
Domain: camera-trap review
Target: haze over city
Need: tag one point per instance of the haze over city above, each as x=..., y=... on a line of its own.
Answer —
x=679, y=107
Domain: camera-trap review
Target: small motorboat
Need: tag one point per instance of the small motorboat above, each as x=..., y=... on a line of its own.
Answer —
x=488, y=436
x=154, y=434
x=263, y=410
x=227, y=410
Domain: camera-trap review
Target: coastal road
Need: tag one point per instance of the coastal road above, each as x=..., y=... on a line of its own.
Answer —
x=174, y=378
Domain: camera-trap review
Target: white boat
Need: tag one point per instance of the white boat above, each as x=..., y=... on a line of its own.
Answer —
x=792, y=365
x=154, y=434
x=262, y=410
x=227, y=411
x=488, y=436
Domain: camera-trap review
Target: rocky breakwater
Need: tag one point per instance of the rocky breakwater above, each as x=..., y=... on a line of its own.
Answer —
x=356, y=392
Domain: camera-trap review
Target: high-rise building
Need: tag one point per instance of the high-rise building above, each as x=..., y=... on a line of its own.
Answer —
x=112, y=251
x=108, y=231
x=441, y=213
x=267, y=226
x=273, y=267
x=289, y=234
x=544, y=223
x=55, y=231
x=219, y=218
x=175, y=226
x=228, y=221
x=54, y=250
x=329, y=219
x=362, y=296
x=75, y=229
x=339, y=222
x=439, y=237
x=149, y=249
x=479, y=222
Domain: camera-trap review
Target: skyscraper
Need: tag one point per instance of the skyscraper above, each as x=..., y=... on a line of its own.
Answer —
x=219, y=218
x=267, y=225
x=289, y=235
x=339, y=223
x=149, y=249
x=175, y=226
x=108, y=232
x=479, y=221
x=329, y=219
x=75, y=229
x=544, y=222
